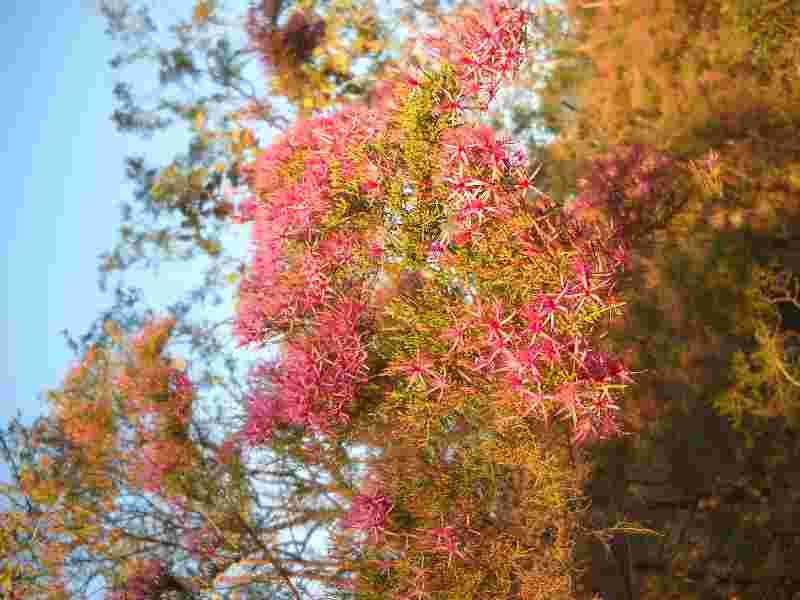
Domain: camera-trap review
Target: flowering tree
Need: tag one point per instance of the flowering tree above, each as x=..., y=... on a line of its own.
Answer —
x=441, y=372
x=445, y=332
x=439, y=312
x=224, y=75
x=123, y=487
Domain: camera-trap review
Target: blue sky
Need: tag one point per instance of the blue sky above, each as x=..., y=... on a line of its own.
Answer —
x=62, y=164
x=62, y=167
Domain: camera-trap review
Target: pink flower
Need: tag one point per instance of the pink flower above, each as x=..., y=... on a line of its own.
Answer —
x=336, y=249
x=315, y=382
x=584, y=431
x=598, y=422
x=549, y=305
x=159, y=459
x=376, y=251
x=549, y=349
x=621, y=256
x=484, y=47
x=568, y=397
x=523, y=363
x=263, y=413
x=445, y=540
x=534, y=318
x=599, y=367
x=368, y=512
x=584, y=272
x=492, y=318
x=416, y=369
x=202, y=542
x=247, y=210
x=456, y=335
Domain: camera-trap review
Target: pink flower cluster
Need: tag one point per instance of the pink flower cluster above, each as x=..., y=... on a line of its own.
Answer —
x=476, y=163
x=150, y=385
x=293, y=180
x=158, y=459
x=444, y=540
x=158, y=399
x=368, y=512
x=517, y=351
x=298, y=266
x=486, y=49
x=515, y=346
x=325, y=232
x=624, y=183
x=315, y=381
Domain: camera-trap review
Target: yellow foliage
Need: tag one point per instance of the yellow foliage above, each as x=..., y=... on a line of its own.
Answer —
x=310, y=72
x=662, y=69
x=203, y=11
x=200, y=120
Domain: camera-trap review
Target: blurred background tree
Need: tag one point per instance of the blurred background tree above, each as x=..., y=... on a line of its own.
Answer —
x=712, y=88
x=122, y=487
